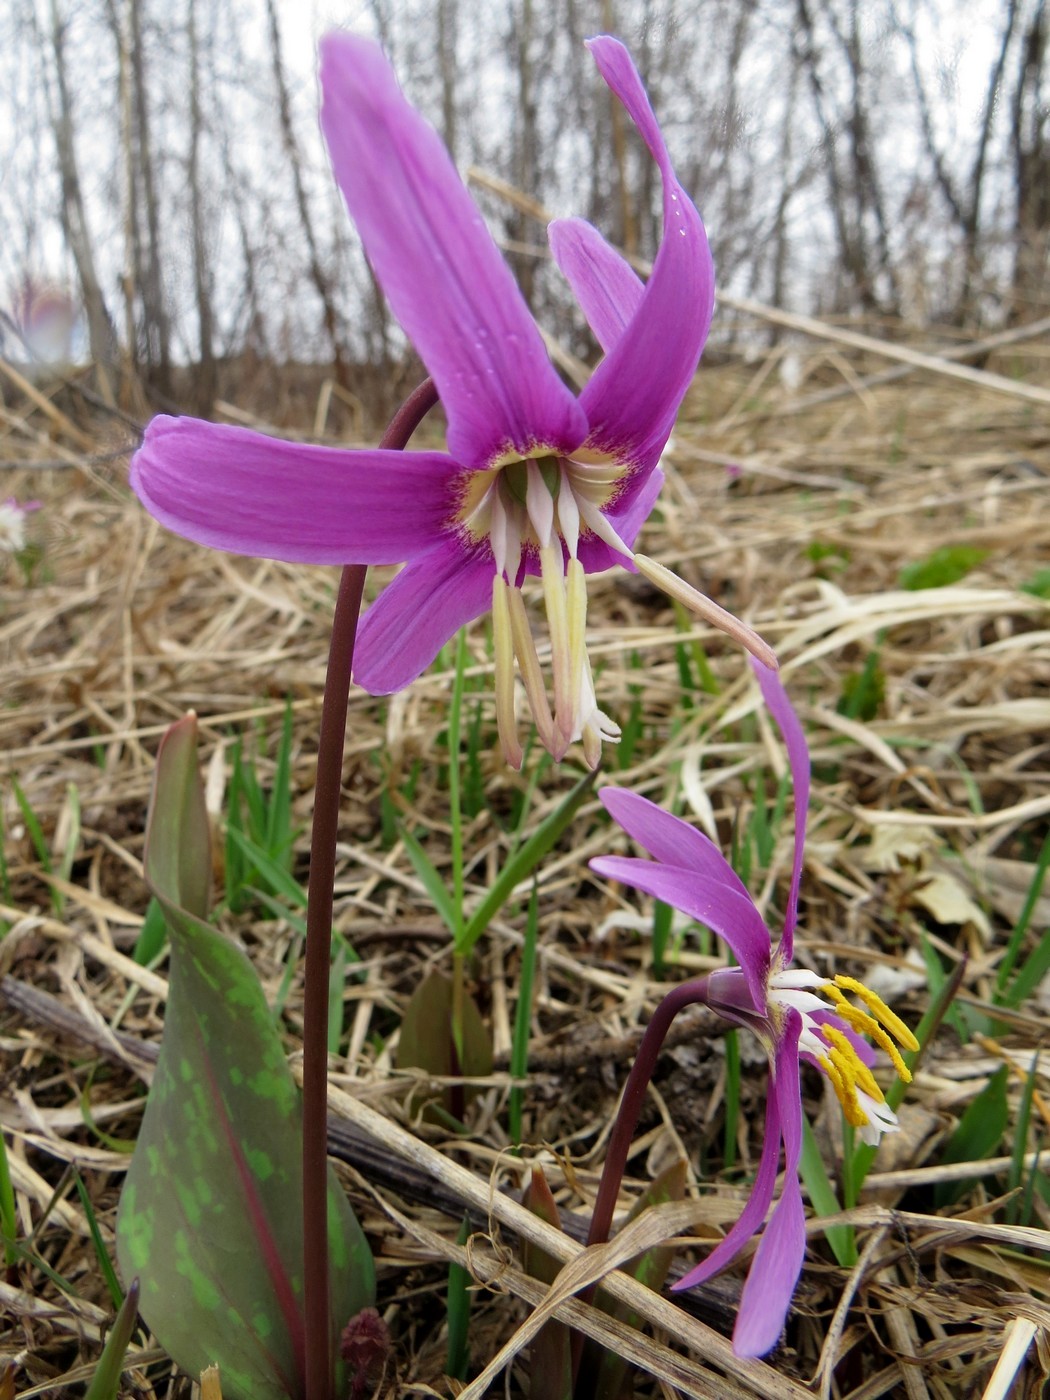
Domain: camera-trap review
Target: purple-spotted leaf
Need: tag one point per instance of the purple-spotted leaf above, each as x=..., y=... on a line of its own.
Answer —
x=210, y=1217
x=550, y=1357
x=427, y=1041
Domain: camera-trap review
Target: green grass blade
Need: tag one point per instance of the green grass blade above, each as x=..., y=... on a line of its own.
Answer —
x=8, y=1218
x=459, y=1313
x=1024, y=1118
x=521, y=865
x=36, y=836
x=105, y=1383
x=663, y=920
x=431, y=880
x=279, y=880
x=861, y=1162
x=825, y=1202
x=519, y=1054
x=279, y=808
x=105, y=1264
x=1027, y=979
x=152, y=935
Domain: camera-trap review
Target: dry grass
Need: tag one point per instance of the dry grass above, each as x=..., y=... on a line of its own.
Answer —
x=925, y=823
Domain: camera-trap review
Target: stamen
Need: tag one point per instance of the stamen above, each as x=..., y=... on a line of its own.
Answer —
x=879, y=1010
x=577, y=607
x=539, y=503
x=506, y=722
x=569, y=517
x=597, y=523
x=552, y=571
x=862, y=1075
x=864, y=1024
x=711, y=612
x=529, y=665
x=844, y=1091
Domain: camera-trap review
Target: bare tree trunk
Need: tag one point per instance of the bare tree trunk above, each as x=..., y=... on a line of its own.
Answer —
x=206, y=384
x=148, y=252
x=317, y=273
x=101, y=333
x=1030, y=136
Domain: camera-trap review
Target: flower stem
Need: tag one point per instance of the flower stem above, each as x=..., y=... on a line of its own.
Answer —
x=320, y=1350
x=634, y=1091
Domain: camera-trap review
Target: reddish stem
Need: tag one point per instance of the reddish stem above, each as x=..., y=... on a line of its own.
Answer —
x=320, y=1347
x=627, y=1115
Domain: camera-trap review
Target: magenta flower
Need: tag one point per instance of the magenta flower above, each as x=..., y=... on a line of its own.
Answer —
x=782, y=1006
x=535, y=480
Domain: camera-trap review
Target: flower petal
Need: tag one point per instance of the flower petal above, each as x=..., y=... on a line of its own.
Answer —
x=441, y=272
x=750, y=1218
x=233, y=489
x=603, y=281
x=777, y=1263
x=418, y=612
x=670, y=839
x=782, y=710
x=732, y=915
x=634, y=394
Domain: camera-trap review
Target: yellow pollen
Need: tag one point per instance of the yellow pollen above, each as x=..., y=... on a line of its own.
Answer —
x=839, y=1072
x=862, y=1075
x=879, y=1010
x=864, y=1024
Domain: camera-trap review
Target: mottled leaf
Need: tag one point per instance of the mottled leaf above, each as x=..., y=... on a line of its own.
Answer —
x=210, y=1216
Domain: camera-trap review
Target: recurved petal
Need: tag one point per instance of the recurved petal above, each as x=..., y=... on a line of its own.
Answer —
x=634, y=394
x=233, y=489
x=750, y=1218
x=777, y=1263
x=730, y=914
x=417, y=613
x=442, y=274
x=670, y=839
x=782, y=710
x=603, y=281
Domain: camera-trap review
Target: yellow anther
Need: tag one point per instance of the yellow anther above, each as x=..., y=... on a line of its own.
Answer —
x=862, y=1075
x=864, y=1024
x=879, y=1010
x=840, y=1073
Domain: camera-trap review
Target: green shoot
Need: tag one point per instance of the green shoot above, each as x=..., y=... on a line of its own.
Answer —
x=519, y=1055
x=459, y=1313
x=105, y=1264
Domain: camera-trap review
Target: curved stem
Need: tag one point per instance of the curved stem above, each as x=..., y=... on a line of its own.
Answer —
x=316, y=1292
x=627, y=1115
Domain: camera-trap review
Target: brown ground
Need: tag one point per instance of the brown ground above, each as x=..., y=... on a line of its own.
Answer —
x=929, y=810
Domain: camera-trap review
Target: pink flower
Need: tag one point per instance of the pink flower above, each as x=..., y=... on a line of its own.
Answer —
x=535, y=480
x=796, y=1014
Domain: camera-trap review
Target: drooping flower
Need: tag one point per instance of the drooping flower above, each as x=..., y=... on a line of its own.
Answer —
x=795, y=1013
x=535, y=481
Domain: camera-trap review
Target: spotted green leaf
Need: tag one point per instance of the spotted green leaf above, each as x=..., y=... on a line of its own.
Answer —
x=210, y=1217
